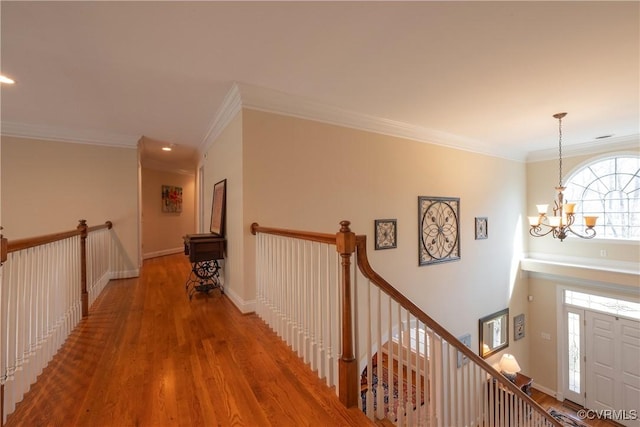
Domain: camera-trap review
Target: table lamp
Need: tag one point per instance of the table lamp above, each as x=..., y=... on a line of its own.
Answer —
x=509, y=366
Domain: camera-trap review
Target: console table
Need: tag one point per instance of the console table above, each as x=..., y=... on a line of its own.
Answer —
x=504, y=401
x=204, y=251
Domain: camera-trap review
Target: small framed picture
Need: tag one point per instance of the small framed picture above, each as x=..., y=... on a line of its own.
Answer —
x=462, y=359
x=518, y=327
x=386, y=233
x=481, y=228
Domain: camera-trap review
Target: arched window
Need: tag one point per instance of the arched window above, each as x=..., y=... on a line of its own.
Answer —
x=610, y=189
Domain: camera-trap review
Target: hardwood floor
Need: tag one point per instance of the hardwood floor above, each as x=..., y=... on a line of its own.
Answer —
x=147, y=356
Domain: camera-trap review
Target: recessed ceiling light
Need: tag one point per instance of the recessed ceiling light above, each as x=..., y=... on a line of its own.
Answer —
x=166, y=148
x=6, y=80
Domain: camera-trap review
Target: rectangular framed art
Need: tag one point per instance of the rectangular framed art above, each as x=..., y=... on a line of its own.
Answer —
x=482, y=228
x=386, y=233
x=438, y=229
x=218, y=206
x=171, y=199
x=518, y=327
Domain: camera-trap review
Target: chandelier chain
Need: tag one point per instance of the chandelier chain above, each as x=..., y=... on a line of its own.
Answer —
x=560, y=151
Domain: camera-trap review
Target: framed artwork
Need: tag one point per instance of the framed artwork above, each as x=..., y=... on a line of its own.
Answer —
x=386, y=233
x=218, y=207
x=518, y=327
x=438, y=229
x=171, y=199
x=482, y=232
x=462, y=359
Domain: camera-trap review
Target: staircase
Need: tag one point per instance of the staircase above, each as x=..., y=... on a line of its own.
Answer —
x=379, y=351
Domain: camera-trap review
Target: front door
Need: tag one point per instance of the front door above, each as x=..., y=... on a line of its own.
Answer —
x=613, y=366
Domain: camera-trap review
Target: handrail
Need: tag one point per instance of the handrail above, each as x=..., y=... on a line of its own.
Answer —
x=346, y=242
x=32, y=242
x=304, y=235
x=369, y=273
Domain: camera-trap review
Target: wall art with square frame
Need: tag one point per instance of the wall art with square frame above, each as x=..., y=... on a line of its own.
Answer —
x=518, y=327
x=482, y=230
x=386, y=233
x=438, y=229
x=171, y=199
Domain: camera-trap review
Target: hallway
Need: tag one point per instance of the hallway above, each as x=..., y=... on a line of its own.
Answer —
x=147, y=356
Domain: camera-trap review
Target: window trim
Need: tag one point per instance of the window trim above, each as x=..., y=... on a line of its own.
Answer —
x=592, y=160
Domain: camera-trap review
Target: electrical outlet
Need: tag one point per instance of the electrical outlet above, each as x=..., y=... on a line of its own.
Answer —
x=603, y=253
x=545, y=336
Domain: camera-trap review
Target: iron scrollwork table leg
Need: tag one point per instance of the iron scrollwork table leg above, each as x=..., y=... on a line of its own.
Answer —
x=204, y=277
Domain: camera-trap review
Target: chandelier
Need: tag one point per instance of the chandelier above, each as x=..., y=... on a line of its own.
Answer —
x=559, y=225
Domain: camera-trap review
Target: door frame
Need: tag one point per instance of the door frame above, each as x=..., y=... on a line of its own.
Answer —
x=578, y=398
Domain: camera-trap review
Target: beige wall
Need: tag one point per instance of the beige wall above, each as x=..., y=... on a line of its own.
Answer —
x=545, y=288
x=48, y=186
x=223, y=160
x=162, y=231
x=308, y=175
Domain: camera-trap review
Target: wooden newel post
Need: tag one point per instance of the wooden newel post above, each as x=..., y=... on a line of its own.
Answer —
x=347, y=367
x=83, y=267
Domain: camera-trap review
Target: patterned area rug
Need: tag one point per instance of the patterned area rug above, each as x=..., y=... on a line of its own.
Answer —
x=566, y=420
x=407, y=397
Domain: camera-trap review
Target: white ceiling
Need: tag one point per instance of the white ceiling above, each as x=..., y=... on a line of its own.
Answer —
x=485, y=76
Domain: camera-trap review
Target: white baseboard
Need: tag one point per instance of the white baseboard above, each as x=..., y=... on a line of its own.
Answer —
x=245, y=307
x=163, y=253
x=125, y=274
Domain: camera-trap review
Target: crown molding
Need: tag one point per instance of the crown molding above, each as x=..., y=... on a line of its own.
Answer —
x=231, y=106
x=52, y=133
x=268, y=100
x=597, y=146
x=167, y=167
x=252, y=97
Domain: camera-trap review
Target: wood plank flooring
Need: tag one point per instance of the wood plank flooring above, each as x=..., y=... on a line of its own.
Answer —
x=147, y=356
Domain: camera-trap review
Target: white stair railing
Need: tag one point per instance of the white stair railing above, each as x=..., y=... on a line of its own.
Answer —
x=41, y=301
x=298, y=296
x=408, y=369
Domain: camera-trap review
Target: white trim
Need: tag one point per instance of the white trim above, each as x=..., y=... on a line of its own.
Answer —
x=164, y=167
x=245, y=307
x=268, y=100
x=252, y=97
x=560, y=343
x=163, y=253
x=597, y=146
x=622, y=277
x=80, y=136
x=125, y=274
x=231, y=106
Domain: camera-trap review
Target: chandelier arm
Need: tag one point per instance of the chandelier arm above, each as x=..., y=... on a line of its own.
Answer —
x=536, y=231
x=589, y=233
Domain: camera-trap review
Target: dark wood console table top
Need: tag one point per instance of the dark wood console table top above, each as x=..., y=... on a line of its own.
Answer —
x=524, y=383
x=204, y=247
